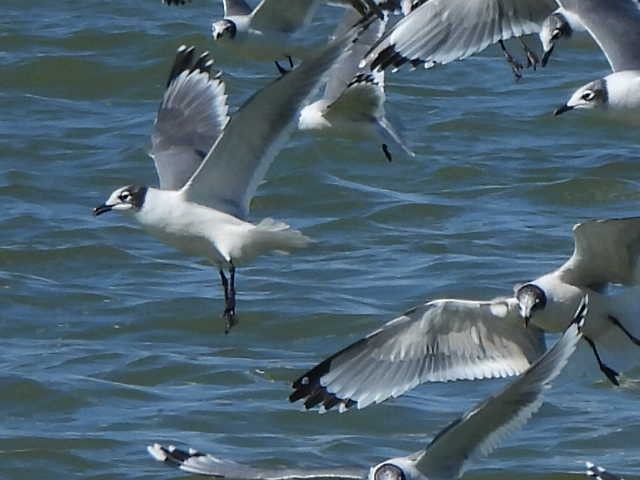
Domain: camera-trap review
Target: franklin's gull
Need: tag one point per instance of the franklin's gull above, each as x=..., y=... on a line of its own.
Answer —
x=203, y=200
x=615, y=26
x=599, y=473
x=266, y=31
x=441, y=31
x=446, y=340
x=475, y=434
x=352, y=105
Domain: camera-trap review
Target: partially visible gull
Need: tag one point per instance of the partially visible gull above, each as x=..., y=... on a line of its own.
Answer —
x=475, y=434
x=352, y=105
x=266, y=32
x=210, y=165
x=599, y=473
x=615, y=26
x=441, y=31
x=446, y=340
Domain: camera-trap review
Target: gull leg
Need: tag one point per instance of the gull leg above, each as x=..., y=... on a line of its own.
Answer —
x=290, y=61
x=617, y=323
x=610, y=373
x=516, y=67
x=229, y=314
x=387, y=153
x=532, y=57
x=282, y=70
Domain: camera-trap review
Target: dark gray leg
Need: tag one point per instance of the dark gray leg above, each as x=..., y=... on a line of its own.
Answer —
x=532, y=57
x=610, y=373
x=617, y=323
x=229, y=313
x=516, y=67
x=387, y=153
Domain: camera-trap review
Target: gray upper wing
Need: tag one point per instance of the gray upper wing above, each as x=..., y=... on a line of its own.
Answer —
x=480, y=429
x=283, y=15
x=236, y=8
x=238, y=161
x=441, y=31
x=440, y=341
x=606, y=251
x=614, y=25
x=192, y=114
x=193, y=461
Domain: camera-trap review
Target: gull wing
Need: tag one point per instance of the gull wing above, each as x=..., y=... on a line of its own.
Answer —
x=481, y=428
x=233, y=8
x=193, y=461
x=441, y=31
x=229, y=175
x=439, y=341
x=283, y=15
x=606, y=251
x=191, y=117
x=343, y=72
x=614, y=25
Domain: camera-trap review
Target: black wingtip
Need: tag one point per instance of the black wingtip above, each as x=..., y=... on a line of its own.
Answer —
x=184, y=61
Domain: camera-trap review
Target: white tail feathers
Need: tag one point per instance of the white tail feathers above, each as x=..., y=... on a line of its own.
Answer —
x=271, y=234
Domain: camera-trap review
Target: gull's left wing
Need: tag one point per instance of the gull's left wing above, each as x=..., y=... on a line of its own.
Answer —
x=191, y=117
x=599, y=473
x=193, y=461
x=240, y=158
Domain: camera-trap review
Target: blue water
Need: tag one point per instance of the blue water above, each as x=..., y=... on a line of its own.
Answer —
x=112, y=340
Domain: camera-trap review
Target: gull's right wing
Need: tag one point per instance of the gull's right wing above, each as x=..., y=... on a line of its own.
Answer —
x=439, y=341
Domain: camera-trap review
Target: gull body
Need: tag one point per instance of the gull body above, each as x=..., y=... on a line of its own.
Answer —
x=352, y=104
x=210, y=164
x=599, y=473
x=475, y=434
x=449, y=339
x=615, y=27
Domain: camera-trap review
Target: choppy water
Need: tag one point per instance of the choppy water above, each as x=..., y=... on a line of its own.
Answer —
x=112, y=340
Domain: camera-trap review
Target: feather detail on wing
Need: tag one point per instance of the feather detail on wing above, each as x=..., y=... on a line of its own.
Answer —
x=442, y=340
x=191, y=117
x=193, y=461
x=228, y=177
x=441, y=31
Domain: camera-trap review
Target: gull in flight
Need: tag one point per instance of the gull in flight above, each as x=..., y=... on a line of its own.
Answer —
x=615, y=26
x=599, y=473
x=446, y=340
x=266, y=32
x=475, y=434
x=210, y=165
x=441, y=31
x=352, y=104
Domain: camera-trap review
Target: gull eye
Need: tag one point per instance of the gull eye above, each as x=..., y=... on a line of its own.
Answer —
x=556, y=34
x=389, y=472
x=125, y=196
x=588, y=95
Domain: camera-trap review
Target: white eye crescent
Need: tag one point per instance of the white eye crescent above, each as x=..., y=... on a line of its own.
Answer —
x=588, y=95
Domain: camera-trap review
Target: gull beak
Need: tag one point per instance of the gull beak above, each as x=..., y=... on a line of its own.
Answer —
x=104, y=208
x=561, y=109
x=525, y=313
x=546, y=55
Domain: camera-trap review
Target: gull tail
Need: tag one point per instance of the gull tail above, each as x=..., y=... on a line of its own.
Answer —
x=270, y=234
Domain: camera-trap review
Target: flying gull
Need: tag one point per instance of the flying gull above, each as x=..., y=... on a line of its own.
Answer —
x=210, y=165
x=446, y=340
x=352, y=104
x=475, y=434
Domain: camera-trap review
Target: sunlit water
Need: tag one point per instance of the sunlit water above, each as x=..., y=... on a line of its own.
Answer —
x=112, y=340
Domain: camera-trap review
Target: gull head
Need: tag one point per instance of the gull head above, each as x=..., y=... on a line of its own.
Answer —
x=555, y=27
x=531, y=298
x=401, y=468
x=592, y=95
x=129, y=198
x=224, y=29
